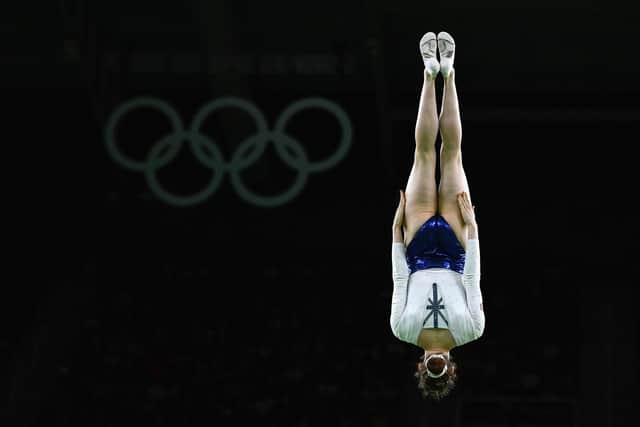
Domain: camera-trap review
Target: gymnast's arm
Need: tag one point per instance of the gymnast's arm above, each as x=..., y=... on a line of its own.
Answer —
x=399, y=268
x=471, y=272
x=471, y=279
x=400, y=273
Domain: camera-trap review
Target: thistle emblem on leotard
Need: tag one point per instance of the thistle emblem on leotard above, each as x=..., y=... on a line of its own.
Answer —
x=434, y=307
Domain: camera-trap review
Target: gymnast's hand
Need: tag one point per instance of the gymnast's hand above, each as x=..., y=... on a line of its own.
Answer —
x=467, y=209
x=398, y=220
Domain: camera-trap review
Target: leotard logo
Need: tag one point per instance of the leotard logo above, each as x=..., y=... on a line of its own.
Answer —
x=434, y=307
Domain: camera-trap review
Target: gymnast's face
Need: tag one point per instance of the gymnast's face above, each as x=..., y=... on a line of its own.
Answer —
x=444, y=356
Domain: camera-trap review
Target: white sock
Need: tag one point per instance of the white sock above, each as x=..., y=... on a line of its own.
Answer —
x=428, y=46
x=447, y=50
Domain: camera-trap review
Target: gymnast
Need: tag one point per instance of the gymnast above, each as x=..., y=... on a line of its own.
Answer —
x=436, y=302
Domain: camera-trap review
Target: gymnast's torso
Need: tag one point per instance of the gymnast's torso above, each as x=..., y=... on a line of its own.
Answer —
x=436, y=307
x=436, y=312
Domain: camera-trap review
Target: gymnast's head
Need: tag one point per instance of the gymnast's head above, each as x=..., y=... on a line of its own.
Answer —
x=436, y=375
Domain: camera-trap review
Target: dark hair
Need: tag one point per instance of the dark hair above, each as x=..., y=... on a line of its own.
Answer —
x=436, y=388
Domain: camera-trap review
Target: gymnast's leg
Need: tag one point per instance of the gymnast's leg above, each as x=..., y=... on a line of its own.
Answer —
x=421, y=192
x=452, y=176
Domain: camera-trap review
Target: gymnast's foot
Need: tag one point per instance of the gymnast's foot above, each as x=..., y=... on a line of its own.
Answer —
x=428, y=45
x=447, y=50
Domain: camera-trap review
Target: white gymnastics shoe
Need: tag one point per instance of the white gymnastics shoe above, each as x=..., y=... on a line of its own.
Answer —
x=447, y=50
x=428, y=46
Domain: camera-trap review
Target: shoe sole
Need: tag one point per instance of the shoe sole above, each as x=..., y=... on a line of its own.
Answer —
x=443, y=35
x=427, y=37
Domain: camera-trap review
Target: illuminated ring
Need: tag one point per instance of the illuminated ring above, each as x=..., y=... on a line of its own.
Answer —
x=110, y=130
x=208, y=153
x=343, y=121
x=172, y=140
x=268, y=201
x=251, y=109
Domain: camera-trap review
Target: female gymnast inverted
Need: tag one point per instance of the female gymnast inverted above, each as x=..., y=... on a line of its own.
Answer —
x=436, y=302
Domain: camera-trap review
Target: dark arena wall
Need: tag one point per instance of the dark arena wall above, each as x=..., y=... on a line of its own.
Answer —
x=209, y=189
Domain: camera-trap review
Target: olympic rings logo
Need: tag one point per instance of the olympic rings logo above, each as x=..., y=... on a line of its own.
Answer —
x=209, y=155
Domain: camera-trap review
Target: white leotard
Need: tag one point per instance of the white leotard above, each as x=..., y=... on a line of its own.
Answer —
x=437, y=298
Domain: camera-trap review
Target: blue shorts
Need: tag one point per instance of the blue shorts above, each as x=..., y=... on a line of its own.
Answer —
x=435, y=245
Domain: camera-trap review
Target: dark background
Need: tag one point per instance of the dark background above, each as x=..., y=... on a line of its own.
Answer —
x=133, y=310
